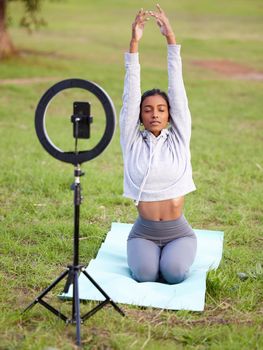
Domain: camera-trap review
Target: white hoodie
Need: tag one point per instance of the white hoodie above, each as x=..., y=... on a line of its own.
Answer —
x=156, y=168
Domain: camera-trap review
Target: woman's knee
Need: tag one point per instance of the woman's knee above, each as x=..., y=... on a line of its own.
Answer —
x=173, y=273
x=143, y=259
x=145, y=273
x=176, y=259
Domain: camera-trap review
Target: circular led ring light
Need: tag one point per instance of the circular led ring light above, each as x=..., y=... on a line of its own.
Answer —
x=40, y=114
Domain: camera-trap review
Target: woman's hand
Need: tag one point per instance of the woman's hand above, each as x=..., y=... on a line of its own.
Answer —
x=138, y=28
x=164, y=24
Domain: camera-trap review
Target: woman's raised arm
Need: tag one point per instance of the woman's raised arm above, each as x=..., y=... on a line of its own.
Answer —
x=179, y=111
x=129, y=115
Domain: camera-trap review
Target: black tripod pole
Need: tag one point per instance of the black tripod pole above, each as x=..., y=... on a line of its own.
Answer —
x=76, y=268
x=77, y=202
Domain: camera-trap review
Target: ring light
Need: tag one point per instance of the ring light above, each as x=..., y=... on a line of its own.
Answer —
x=40, y=114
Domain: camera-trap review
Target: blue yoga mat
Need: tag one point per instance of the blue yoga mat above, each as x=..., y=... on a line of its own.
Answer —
x=110, y=270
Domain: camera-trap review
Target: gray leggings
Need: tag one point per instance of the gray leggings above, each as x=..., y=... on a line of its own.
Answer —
x=161, y=250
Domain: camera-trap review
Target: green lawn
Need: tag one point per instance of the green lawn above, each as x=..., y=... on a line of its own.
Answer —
x=87, y=40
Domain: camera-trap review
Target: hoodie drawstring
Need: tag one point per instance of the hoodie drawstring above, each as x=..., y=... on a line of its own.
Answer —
x=147, y=172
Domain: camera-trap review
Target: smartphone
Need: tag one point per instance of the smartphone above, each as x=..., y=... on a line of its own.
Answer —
x=81, y=120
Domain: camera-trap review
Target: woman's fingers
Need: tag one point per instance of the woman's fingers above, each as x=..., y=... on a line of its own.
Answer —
x=142, y=13
x=159, y=22
x=142, y=16
x=157, y=17
x=159, y=8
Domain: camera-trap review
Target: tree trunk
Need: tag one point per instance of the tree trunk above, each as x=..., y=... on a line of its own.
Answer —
x=7, y=48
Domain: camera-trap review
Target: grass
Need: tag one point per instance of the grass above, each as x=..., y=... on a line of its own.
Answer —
x=87, y=40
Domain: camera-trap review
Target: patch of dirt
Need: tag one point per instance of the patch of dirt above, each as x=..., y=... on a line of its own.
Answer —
x=26, y=81
x=230, y=69
x=227, y=68
x=156, y=318
x=250, y=125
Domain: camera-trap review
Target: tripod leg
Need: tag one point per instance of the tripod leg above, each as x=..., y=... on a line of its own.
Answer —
x=116, y=307
x=69, y=281
x=76, y=308
x=45, y=291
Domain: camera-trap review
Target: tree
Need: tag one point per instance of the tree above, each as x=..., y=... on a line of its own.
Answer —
x=29, y=20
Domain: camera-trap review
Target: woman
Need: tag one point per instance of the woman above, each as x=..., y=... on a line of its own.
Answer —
x=157, y=167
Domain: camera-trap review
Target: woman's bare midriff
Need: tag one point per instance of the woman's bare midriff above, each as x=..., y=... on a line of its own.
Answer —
x=170, y=209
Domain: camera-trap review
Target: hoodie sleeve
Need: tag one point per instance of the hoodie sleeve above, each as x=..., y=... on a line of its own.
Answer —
x=131, y=99
x=180, y=114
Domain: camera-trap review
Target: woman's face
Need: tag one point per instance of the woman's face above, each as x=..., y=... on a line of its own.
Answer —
x=154, y=114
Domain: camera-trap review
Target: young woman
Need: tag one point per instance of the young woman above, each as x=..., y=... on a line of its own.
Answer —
x=157, y=166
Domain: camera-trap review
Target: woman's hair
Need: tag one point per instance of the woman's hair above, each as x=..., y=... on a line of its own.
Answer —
x=154, y=92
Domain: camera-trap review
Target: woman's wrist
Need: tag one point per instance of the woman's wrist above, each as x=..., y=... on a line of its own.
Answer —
x=170, y=37
x=134, y=44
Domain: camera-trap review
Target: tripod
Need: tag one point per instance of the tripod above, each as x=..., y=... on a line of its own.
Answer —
x=72, y=273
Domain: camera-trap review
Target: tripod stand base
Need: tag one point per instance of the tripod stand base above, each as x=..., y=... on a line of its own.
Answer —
x=72, y=273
